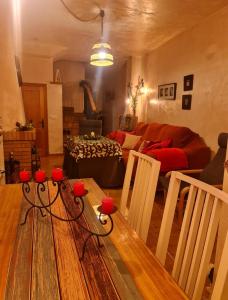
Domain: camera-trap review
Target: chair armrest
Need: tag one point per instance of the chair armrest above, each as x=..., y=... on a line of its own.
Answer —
x=193, y=171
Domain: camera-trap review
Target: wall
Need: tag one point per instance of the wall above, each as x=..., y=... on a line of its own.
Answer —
x=71, y=74
x=202, y=51
x=35, y=69
x=11, y=106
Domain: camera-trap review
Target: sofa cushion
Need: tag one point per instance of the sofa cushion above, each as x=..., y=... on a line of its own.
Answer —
x=130, y=141
x=170, y=158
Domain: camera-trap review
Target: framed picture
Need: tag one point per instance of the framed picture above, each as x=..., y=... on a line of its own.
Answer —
x=167, y=91
x=186, y=102
x=188, y=82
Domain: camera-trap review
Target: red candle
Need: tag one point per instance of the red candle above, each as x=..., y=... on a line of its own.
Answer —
x=107, y=205
x=24, y=176
x=57, y=174
x=79, y=189
x=40, y=176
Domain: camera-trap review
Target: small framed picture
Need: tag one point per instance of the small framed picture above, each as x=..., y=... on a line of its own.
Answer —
x=186, y=102
x=167, y=91
x=188, y=82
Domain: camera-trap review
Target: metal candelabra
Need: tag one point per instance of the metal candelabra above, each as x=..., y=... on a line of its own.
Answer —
x=41, y=188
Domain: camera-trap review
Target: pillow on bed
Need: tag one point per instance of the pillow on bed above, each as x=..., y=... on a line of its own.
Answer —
x=130, y=141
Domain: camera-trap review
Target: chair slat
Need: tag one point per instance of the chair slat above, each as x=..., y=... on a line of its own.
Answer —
x=167, y=219
x=201, y=238
x=149, y=202
x=208, y=247
x=126, y=185
x=192, y=236
x=184, y=232
x=135, y=193
x=143, y=193
x=220, y=291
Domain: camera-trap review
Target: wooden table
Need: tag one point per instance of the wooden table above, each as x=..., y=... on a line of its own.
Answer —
x=40, y=259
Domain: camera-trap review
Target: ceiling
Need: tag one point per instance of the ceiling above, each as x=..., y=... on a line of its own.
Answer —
x=132, y=27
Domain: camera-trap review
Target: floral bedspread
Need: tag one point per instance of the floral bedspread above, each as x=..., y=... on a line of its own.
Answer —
x=103, y=147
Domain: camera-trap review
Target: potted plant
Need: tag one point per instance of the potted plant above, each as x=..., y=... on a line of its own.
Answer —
x=134, y=93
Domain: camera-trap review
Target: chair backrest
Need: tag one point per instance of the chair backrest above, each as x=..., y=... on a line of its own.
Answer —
x=198, y=232
x=143, y=193
x=213, y=172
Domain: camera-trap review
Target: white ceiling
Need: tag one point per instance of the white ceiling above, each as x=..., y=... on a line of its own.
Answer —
x=49, y=30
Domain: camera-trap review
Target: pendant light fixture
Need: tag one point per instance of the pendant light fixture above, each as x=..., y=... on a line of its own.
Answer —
x=101, y=51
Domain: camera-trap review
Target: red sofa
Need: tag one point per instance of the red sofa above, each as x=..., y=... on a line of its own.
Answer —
x=185, y=145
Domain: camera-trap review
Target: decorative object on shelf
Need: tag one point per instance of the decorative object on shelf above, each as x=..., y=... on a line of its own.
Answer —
x=58, y=77
x=27, y=126
x=188, y=82
x=186, y=102
x=127, y=122
x=101, y=51
x=167, y=91
x=91, y=136
x=134, y=93
x=78, y=191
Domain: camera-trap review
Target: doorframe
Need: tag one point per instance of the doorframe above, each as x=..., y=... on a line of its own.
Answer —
x=45, y=108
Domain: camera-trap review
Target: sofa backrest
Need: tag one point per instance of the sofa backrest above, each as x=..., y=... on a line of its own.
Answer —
x=157, y=132
x=180, y=136
x=152, y=132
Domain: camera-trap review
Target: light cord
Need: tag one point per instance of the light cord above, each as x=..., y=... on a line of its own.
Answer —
x=77, y=17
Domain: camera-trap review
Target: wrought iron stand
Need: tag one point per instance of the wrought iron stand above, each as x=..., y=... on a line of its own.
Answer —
x=41, y=188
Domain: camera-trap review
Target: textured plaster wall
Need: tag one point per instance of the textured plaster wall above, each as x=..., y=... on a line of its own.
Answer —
x=11, y=106
x=202, y=51
x=35, y=69
x=71, y=74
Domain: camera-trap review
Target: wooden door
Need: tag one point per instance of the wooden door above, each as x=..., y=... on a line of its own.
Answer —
x=35, y=105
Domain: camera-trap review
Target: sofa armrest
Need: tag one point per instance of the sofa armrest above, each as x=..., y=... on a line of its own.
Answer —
x=198, y=156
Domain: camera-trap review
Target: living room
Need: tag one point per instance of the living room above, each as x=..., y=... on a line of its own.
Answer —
x=162, y=43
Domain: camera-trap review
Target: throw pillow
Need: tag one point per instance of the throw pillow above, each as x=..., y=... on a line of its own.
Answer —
x=144, y=145
x=170, y=158
x=130, y=141
x=157, y=145
x=111, y=135
x=120, y=137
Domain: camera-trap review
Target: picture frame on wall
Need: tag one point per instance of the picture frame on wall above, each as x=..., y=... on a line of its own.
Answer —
x=188, y=82
x=167, y=91
x=186, y=102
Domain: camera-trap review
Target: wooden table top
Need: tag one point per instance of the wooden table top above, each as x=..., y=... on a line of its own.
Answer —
x=40, y=260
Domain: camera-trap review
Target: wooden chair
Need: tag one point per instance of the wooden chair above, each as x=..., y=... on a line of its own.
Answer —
x=220, y=291
x=211, y=174
x=198, y=232
x=143, y=193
